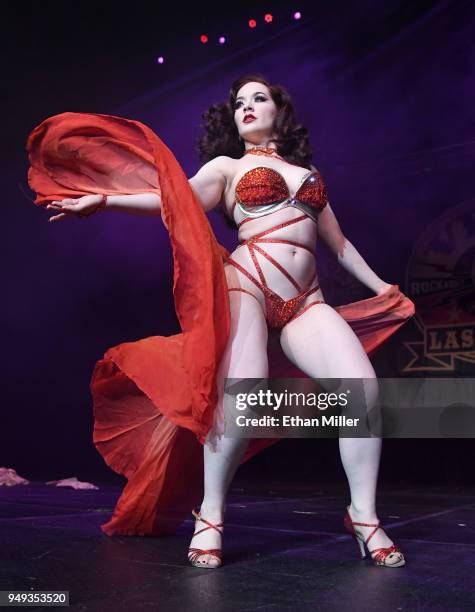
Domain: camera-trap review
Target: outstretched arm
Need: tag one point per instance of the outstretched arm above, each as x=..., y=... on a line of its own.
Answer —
x=330, y=232
x=208, y=185
x=137, y=204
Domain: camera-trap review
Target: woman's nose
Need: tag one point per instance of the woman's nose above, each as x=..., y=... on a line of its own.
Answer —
x=248, y=107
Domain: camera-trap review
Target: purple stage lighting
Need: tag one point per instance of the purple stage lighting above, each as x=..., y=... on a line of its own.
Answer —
x=221, y=40
x=297, y=15
x=160, y=60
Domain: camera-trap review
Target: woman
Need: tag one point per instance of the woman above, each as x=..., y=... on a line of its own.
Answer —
x=150, y=394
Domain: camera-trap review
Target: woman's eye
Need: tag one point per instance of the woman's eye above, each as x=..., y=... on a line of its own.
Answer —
x=257, y=99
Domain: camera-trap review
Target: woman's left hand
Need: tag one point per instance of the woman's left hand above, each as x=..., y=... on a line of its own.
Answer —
x=78, y=207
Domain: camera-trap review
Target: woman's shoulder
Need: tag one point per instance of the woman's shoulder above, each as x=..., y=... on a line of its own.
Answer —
x=225, y=165
x=225, y=162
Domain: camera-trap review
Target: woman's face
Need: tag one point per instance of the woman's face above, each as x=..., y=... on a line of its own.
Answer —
x=254, y=112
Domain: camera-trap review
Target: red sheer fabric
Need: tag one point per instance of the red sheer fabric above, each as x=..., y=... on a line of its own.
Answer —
x=154, y=399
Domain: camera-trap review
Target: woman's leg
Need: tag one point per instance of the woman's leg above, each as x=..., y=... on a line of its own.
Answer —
x=323, y=345
x=245, y=357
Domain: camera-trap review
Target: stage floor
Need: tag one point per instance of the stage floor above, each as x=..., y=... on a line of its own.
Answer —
x=284, y=549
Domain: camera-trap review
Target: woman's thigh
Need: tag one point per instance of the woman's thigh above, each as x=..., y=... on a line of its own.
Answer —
x=245, y=355
x=322, y=344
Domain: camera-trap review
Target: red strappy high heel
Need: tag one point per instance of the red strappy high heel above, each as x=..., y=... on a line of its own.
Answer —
x=195, y=553
x=386, y=557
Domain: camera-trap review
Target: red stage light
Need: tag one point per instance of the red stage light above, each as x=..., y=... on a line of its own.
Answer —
x=204, y=38
x=252, y=23
x=268, y=18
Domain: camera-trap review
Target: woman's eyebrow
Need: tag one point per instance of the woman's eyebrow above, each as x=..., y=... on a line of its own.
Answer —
x=254, y=94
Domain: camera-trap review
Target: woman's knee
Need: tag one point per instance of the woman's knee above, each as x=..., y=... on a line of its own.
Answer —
x=363, y=394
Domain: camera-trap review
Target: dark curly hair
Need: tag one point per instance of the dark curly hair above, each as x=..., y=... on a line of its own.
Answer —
x=222, y=137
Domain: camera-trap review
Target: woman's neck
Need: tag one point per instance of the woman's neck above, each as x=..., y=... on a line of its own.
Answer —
x=264, y=144
x=263, y=151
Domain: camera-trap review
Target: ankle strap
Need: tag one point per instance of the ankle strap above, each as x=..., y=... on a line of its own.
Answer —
x=367, y=524
x=375, y=525
x=198, y=517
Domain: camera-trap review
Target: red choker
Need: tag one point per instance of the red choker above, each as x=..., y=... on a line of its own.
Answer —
x=267, y=151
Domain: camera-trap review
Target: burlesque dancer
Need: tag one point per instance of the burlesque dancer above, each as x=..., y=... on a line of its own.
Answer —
x=258, y=171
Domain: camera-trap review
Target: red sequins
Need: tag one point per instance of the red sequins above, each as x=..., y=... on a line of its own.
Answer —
x=261, y=186
x=266, y=151
x=313, y=191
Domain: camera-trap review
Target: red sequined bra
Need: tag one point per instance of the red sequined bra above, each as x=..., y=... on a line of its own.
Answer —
x=263, y=190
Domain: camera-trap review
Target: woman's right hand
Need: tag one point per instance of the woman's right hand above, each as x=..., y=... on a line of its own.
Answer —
x=80, y=207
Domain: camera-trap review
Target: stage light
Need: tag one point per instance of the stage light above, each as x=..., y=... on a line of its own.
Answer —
x=221, y=40
x=252, y=23
x=204, y=38
x=297, y=15
x=160, y=60
x=268, y=18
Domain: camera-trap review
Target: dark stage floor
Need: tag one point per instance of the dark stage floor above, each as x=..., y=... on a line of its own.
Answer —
x=285, y=549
